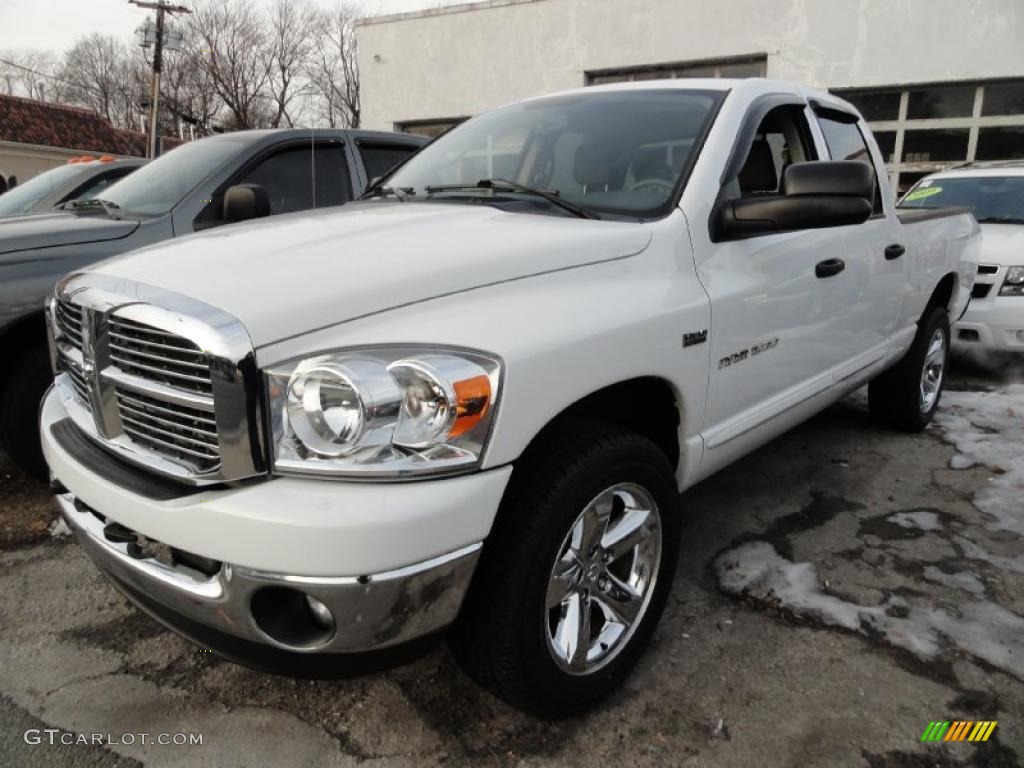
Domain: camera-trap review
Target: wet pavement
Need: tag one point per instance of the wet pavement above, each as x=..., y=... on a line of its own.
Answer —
x=839, y=589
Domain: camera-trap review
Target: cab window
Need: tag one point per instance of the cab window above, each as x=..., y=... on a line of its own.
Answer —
x=782, y=138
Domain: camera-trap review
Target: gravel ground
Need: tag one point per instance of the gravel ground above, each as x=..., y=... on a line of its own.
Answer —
x=839, y=589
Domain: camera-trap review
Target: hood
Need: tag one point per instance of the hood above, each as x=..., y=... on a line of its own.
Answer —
x=23, y=233
x=291, y=274
x=1002, y=244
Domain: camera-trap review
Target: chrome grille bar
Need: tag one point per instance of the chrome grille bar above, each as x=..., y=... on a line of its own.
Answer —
x=156, y=354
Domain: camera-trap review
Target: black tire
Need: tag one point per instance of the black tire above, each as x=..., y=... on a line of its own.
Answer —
x=895, y=397
x=501, y=638
x=19, y=410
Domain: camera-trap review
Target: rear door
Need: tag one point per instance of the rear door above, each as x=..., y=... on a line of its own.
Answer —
x=875, y=252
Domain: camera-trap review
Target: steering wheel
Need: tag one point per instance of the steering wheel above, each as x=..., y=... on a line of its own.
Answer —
x=652, y=185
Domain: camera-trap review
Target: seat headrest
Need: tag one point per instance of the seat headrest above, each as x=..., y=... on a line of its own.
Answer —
x=758, y=172
x=651, y=163
x=592, y=167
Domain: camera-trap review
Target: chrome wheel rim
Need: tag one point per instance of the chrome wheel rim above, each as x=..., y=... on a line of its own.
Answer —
x=933, y=370
x=603, y=578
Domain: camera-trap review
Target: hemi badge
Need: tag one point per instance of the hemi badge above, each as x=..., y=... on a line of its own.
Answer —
x=694, y=337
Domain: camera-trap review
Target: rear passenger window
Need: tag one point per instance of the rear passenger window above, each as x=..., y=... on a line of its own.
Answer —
x=378, y=159
x=846, y=142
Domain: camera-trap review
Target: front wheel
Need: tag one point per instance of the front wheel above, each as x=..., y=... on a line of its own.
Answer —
x=907, y=395
x=573, y=580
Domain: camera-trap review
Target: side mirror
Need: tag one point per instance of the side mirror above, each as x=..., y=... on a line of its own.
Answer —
x=814, y=195
x=245, y=201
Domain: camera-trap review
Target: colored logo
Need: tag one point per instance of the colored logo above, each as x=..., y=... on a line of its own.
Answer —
x=959, y=730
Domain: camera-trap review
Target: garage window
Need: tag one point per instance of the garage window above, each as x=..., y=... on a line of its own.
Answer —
x=926, y=128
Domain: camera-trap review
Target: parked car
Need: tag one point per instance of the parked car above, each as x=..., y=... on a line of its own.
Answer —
x=80, y=180
x=197, y=186
x=473, y=399
x=994, y=192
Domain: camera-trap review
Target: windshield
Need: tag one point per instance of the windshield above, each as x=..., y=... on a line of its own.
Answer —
x=621, y=152
x=993, y=199
x=24, y=197
x=156, y=188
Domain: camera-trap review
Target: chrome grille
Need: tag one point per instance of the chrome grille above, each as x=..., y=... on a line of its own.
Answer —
x=185, y=433
x=158, y=379
x=151, y=353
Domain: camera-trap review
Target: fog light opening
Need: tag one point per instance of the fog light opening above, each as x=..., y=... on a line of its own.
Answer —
x=292, y=618
x=1020, y=335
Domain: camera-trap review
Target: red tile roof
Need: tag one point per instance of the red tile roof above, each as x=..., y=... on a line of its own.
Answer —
x=57, y=125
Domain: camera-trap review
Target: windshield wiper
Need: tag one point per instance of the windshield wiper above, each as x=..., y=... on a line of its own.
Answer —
x=108, y=207
x=552, y=197
x=1000, y=220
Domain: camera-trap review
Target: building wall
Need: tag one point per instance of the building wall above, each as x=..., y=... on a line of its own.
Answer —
x=457, y=61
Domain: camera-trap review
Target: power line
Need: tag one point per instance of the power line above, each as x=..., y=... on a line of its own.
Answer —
x=47, y=75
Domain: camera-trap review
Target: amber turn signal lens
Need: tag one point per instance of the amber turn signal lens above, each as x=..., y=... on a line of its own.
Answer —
x=472, y=399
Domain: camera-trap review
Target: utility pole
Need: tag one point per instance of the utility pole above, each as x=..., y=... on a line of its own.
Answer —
x=158, y=62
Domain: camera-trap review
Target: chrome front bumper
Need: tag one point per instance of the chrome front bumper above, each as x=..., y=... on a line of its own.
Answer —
x=370, y=612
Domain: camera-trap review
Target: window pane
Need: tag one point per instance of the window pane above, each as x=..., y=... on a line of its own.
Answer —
x=908, y=179
x=621, y=151
x=887, y=144
x=696, y=72
x=742, y=69
x=287, y=178
x=990, y=198
x=845, y=142
x=434, y=129
x=650, y=74
x=1004, y=99
x=875, y=105
x=942, y=101
x=929, y=146
x=381, y=158
x=1000, y=143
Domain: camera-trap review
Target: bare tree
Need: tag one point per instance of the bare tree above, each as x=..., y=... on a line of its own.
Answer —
x=229, y=42
x=99, y=73
x=187, y=94
x=334, y=71
x=291, y=25
x=28, y=73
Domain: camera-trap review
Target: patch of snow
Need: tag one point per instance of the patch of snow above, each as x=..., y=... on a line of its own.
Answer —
x=921, y=519
x=980, y=628
x=961, y=580
x=59, y=529
x=975, y=552
x=987, y=428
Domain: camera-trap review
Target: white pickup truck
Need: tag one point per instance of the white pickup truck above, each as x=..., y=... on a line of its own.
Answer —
x=472, y=400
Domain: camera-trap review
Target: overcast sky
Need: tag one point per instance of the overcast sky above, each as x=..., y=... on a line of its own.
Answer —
x=56, y=24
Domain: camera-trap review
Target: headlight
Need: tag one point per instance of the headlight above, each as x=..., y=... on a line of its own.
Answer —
x=1013, y=283
x=382, y=412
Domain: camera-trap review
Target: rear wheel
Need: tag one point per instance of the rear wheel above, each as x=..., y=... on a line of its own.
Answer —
x=907, y=395
x=19, y=410
x=574, y=577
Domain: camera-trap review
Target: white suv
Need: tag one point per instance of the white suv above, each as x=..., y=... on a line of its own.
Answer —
x=994, y=321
